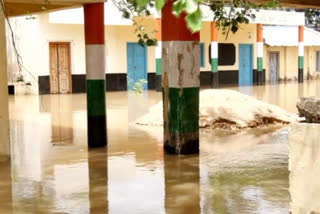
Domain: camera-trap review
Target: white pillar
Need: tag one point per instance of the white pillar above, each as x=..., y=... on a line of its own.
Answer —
x=4, y=111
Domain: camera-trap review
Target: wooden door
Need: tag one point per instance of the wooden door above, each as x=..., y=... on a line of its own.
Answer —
x=60, y=72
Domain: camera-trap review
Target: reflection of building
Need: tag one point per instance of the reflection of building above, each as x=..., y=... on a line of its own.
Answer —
x=61, y=119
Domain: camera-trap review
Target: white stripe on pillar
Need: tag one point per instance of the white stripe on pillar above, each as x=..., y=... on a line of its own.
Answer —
x=214, y=50
x=95, y=62
x=183, y=71
x=301, y=49
x=260, y=49
x=159, y=50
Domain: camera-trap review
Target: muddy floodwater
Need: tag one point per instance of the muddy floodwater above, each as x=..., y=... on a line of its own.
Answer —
x=52, y=171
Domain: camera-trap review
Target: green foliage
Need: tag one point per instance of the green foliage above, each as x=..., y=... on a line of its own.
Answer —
x=228, y=14
x=137, y=87
x=312, y=17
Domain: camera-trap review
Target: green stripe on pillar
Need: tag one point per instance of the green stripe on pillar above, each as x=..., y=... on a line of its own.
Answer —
x=158, y=66
x=260, y=63
x=214, y=65
x=96, y=97
x=183, y=110
x=301, y=62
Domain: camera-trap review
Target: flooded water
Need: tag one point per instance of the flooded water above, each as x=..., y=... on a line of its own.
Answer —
x=52, y=171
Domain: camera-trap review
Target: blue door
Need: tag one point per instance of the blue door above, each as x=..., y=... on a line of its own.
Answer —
x=245, y=65
x=137, y=66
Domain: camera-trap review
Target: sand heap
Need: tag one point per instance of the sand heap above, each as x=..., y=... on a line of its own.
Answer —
x=227, y=109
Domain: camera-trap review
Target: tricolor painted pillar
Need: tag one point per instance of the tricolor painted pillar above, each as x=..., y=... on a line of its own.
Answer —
x=301, y=54
x=95, y=67
x=158, y=54
x=4, y=110
x=181, y=83
x=214, y=55
x=260, y=54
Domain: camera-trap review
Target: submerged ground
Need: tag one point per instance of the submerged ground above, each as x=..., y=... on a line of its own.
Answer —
x=53, y=172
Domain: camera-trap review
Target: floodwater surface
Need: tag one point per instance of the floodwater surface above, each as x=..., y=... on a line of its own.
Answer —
x=52, y=171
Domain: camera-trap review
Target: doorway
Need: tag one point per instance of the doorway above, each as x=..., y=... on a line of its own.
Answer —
x=137, y=75
x=245, y=65
x=274, y=67
x=60, y=68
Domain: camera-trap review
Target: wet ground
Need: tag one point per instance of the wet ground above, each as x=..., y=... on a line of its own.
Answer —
x=52, y=170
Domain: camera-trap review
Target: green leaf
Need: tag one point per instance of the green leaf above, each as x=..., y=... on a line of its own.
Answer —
x=142, y=3
x=178, y=7
x=141, y=42
x=160, y=4
x=194, y=21
x=151, y=42
x=191, y=6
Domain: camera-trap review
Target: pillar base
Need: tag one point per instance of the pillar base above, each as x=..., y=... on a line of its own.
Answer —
x=300, y=76
x=260, y=78
x=215, y=79
x=97, y=131
x=182, y=144
x=158, y=83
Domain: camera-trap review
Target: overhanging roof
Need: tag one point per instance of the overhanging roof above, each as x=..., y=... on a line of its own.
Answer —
x=24, y=7
x=288, y=36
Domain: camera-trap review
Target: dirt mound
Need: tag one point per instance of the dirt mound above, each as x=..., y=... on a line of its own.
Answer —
x=227, y=109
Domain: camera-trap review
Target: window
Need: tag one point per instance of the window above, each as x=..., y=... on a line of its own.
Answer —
x=202, y=51
x=226, y=54
x=318, y=61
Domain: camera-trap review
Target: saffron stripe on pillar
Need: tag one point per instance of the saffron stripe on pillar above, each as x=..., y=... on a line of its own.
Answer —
x=260, y=54
x=214, y=55
x=301, y=54
x=158, y=54
x=181, y=83
x=95, y=69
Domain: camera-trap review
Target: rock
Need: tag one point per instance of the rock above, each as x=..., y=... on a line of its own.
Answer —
x=227, y=109
x=309, y=107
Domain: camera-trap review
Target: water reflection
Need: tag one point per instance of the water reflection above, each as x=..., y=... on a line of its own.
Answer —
x=98, y=180
x=243, y=172
x=182, y=184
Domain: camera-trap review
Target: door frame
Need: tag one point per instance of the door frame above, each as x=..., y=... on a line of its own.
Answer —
x=145, y=61
x=251, y=59
x=70, y=62
x=278, y=65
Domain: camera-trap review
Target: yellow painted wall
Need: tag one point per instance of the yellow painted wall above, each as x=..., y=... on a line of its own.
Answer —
x=246, y=35
x=288, y=61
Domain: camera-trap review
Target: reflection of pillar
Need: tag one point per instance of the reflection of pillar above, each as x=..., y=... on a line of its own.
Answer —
x=214, y=55
x=260, y=54
x=301, y=54
x=180, y=82
x=5, y=187
x=158, y=55
x=95, y=66
x=182, y=184
x=4, y=112
x=98, y=180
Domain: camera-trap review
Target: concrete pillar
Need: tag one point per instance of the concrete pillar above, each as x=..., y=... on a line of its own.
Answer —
x=158, y=54
x=260, y=78
x=4, y=111
x=301, y=54
x=95, y=68
x=214, y=55
x=181, y=83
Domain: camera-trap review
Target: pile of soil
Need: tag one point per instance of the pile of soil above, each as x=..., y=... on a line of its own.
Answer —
x=227, y=109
